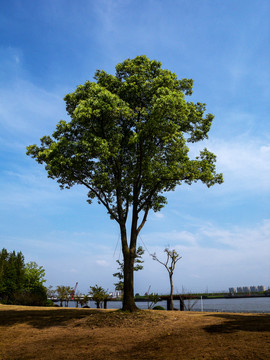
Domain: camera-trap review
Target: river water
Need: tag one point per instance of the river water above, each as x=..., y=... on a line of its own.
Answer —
x=248, y=305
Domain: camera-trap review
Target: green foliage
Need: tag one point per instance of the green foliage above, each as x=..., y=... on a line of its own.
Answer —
x=37, y=296
x=119, y=286
x=126, y=142
x=50, y=303
x=34, y=275
x=98, y=294
x=19, y=283
x=84, y=300
x=11, y=275
x=154, y=298
x=158, y=307
x=63, y=294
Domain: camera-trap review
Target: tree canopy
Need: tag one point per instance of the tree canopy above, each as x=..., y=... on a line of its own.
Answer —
x=126, y=142
x=19, y=283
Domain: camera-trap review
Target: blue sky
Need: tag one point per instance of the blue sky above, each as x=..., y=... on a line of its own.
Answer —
x=49, y=47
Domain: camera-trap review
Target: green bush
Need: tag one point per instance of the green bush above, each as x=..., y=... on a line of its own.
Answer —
x=50, y=303
x=37, y=296
x=158, y=307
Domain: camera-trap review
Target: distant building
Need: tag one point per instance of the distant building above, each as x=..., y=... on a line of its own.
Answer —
x=247, y=289
x=115, y=294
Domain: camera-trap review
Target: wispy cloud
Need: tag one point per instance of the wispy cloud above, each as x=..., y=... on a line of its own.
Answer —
x=27, y=109
x=80, y=255
x=213, y=255
x=244, y=162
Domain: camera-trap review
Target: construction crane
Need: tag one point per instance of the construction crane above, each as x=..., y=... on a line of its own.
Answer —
x=72, y=293
x=147, y=293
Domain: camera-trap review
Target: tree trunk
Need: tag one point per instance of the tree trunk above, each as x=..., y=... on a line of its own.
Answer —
x=129, y=253
x=171, y=294
x=128, y=296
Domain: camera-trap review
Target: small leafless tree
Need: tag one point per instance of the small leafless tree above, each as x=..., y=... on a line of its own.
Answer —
x=172, y=258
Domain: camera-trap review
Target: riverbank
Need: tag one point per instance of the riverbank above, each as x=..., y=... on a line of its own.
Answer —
x=236, y=305
x=53, y=333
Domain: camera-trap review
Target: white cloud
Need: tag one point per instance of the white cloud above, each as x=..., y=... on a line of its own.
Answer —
x=172, y=238
x=28, y=109
x=244, y=162
x=69, y=256
x=29, y=186
x=159, y=215
x=212, y=256
x=215, y=256
x=102, y=263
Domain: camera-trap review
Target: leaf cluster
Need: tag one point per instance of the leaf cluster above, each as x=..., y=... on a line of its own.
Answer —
x=127, y=139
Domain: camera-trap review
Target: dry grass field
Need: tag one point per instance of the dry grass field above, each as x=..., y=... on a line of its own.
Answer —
x=53, y=333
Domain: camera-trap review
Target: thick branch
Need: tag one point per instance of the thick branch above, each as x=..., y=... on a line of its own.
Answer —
x=143, y=221
x=148, y=198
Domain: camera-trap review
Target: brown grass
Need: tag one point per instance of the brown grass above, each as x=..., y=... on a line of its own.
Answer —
x=53, y=333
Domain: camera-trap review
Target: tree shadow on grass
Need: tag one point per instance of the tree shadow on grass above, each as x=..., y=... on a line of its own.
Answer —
x=237, y=322
x=42, y=318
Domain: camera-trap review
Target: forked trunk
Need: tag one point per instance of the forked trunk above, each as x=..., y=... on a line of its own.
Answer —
x=129, y=253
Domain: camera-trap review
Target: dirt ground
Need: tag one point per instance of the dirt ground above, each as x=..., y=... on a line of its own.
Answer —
x=53, y=333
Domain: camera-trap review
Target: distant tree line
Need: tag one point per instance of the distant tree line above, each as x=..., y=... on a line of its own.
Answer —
x=21, y=283
x=64, y=294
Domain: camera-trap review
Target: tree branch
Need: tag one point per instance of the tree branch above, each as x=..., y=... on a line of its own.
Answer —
x=104, y=202
x=143, y=220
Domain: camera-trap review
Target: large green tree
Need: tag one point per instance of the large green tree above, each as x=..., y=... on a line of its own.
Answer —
x=126, y=142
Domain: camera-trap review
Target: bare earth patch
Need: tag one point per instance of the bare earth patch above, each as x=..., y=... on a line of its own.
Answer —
x=53, y=333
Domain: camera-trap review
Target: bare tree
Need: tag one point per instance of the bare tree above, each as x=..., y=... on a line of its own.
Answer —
x=172, y=258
